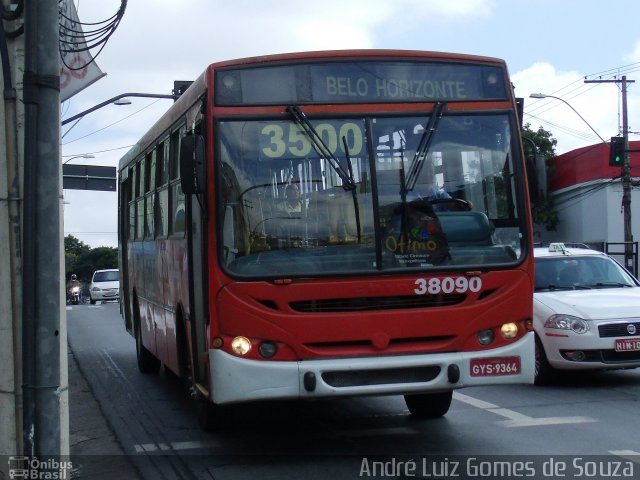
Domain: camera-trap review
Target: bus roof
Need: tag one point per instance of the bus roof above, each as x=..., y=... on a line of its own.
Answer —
x=363, y=53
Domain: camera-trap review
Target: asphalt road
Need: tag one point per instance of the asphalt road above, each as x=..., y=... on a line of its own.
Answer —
x=583, y=426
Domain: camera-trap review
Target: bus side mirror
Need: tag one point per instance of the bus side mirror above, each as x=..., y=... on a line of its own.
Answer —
x=192, y=164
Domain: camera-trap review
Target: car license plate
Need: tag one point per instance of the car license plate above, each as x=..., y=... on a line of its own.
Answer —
x=494, y=366
x=627, y=344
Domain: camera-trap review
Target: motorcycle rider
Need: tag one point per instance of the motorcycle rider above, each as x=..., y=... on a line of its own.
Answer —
x=74, y=282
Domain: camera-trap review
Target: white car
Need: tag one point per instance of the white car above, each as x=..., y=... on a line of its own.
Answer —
x=586, y=312
x=105, y=285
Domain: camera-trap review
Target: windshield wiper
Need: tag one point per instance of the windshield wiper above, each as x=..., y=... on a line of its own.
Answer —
x=411, y=178
x=320, y=147
x=554, y=287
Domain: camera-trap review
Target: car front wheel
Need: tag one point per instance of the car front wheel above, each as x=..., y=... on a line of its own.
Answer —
x=543, y=370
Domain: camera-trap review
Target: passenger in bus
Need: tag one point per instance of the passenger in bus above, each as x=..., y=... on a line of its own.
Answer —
x=439, y=198
x=428, y=187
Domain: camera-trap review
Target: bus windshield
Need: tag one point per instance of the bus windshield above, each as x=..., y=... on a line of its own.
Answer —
x=376, y=194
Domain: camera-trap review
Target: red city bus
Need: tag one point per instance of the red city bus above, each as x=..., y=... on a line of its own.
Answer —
x=326, y=224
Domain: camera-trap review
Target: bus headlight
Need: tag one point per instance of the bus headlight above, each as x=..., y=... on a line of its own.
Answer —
x=509, y=330
x=485, y=337
x=240, y=345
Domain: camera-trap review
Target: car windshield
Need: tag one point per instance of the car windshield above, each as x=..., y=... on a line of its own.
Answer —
x=575, y=272
x=107, y=276
x=365, y=204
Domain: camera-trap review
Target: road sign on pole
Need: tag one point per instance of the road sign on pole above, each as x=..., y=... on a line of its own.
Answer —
x=89, y=177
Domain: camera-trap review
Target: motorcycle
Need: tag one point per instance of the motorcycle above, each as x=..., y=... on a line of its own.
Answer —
x=73, y=295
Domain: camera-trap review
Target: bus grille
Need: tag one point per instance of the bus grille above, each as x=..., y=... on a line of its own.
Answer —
x=355, y=378
x=376, y=303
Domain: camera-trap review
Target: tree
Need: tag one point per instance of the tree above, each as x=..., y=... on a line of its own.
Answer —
x=73, y=249
x=542, y=209
x=84, y=260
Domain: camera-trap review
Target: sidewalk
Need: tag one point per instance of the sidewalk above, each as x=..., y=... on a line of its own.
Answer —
x=95, y=452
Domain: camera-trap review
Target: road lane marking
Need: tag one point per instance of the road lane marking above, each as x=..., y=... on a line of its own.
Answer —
x=174, y=446
x=516, y=419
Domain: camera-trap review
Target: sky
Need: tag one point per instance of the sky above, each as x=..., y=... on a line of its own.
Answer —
x=550, y=46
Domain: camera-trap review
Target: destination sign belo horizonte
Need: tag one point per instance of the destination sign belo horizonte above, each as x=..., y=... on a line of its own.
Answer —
x=359, y=82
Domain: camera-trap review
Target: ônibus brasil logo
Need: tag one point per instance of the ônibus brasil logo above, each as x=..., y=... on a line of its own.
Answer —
x=33, y=468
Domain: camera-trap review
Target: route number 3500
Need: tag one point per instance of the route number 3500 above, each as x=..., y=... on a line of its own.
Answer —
x=436, y=286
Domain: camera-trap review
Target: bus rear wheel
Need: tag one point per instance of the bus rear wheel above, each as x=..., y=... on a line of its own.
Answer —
x=429, y=405
x=147, y=362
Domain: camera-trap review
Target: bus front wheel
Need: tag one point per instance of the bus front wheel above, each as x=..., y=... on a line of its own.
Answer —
x=429, y=405
x=212, y=417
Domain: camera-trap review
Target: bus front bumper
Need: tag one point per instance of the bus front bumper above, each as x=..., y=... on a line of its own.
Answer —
x=235, y=379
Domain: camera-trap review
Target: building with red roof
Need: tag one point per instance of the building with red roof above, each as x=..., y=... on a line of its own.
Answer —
x=587, y=193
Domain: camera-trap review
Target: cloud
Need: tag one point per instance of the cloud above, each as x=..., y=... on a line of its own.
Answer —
x=595, y=103
x=633, y=56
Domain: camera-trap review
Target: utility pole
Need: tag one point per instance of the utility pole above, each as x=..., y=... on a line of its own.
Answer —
x=44, y=381
x=626, y=174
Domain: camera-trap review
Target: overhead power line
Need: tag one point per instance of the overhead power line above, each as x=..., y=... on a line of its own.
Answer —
x=78, y=37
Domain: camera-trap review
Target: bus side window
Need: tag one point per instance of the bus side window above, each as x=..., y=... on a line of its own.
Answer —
x=162, y=195
x=139, y=213
x=174, y=153
x=178, y=210
x=133, y=186
x=176, y=207
x=162, y=212
x=150, y=184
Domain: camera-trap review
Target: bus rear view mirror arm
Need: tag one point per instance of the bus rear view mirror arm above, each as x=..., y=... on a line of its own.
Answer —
x=192, y=164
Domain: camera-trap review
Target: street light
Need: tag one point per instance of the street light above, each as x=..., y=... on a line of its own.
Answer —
x=84, y=155
x=542, y=95
x=116, y=101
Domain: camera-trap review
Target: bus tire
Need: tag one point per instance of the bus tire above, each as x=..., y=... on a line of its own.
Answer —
x=429, y=405
x=212, y=417
x=147, y=362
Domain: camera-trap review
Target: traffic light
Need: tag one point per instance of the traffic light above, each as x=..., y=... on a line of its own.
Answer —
x=616, y=152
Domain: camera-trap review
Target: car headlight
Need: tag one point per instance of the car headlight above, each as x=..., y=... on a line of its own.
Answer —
x=567, y=322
